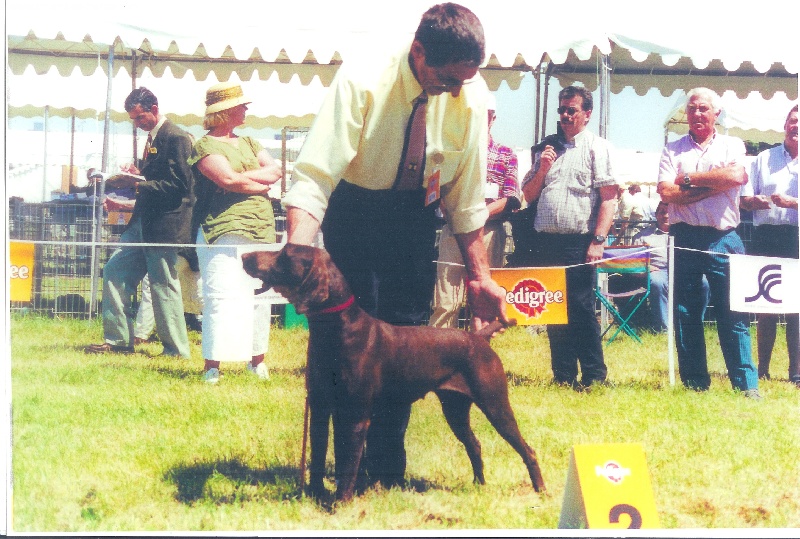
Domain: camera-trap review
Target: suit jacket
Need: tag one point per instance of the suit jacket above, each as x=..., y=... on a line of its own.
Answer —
x=164, y=202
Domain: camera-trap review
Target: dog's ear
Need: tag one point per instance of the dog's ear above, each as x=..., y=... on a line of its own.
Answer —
x=315, y=284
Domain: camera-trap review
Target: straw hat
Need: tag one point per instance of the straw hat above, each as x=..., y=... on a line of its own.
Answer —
x=224, y=95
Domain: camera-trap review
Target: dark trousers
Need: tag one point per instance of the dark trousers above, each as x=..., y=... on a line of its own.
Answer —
x=383, y=243
x=579, y=340
x=694, y=257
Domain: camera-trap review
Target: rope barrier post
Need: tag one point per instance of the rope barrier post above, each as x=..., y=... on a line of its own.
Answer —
x=670, y=311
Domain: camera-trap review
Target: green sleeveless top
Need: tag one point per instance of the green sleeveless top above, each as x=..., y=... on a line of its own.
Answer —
x=219, y=211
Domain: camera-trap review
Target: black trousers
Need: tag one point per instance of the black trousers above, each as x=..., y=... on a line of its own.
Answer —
x=383, y=243
x=579, y=340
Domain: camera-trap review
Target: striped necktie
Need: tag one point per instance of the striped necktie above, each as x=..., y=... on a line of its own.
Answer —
x=412, y=164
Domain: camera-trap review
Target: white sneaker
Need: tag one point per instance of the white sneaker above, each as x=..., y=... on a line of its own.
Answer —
x=259, y=370
x=211, y=376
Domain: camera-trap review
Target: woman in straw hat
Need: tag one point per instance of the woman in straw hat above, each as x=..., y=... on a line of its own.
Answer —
x=233, y=177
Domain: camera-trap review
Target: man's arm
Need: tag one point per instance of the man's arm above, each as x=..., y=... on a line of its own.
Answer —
x=301, y=226
x=486, y=298
x=720, y=178
x=673, y=194
x=784, y=201
x=756, y=202
x=605, y=218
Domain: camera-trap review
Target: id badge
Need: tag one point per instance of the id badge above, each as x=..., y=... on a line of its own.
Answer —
x=433, y=192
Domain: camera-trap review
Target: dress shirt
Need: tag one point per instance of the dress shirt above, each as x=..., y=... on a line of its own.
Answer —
x=570, y=196
x=773, y=171
x=720, y=211
x=358, y=137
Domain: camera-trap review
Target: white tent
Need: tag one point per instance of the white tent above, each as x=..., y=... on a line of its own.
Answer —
x=612, y=45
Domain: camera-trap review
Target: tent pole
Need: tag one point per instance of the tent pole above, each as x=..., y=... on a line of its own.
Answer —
x=98, y=206
x=547, y=78
x=134, y=74
x=72, y=148
x=44, y=171
x=536, y=119
x=605, y=96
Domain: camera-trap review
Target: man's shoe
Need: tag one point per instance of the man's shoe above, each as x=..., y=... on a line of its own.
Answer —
x=108, y=348
x=211, y=376
x=752, y=394
x=259, y=370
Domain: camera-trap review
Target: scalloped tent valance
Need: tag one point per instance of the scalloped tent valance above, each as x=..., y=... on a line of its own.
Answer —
x=306, y=41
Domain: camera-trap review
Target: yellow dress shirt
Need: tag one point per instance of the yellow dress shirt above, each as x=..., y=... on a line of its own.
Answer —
x=359, y=132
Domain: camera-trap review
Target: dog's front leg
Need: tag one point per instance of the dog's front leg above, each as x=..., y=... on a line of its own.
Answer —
x=349, y=434
x=320, y=417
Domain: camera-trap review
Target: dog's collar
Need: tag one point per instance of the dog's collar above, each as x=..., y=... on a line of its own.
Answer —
x=336, y=308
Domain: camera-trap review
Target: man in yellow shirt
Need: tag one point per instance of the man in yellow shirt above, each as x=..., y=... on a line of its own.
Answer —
x=379, y=232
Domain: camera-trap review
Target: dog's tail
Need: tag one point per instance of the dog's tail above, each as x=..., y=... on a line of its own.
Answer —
x=493, y=327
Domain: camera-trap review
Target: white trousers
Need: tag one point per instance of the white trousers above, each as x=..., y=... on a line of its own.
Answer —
x=235, y=322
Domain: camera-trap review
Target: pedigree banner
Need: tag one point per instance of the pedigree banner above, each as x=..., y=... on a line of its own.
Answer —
x=534, y=296
x=21, y=270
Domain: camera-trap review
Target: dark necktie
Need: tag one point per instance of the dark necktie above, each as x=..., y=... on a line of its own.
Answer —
x=147, y=147
x=412, y=164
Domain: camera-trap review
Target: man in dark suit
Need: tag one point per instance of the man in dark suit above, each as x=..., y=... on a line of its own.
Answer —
x=161, y=214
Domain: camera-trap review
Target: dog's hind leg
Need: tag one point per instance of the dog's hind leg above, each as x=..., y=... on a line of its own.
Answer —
x=491, y=396
x=456, y=410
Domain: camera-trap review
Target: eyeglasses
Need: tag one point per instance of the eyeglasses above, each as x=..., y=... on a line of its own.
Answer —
x=449, y=83
x=569, y=110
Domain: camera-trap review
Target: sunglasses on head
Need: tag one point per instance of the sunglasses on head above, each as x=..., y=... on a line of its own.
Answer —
x=569, y=110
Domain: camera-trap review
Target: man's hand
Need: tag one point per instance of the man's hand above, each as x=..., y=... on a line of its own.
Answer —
x=547, y=159
x=130, y=168
x=111, y=204
x=595, y=252
x=784, y=201
x=487, y=301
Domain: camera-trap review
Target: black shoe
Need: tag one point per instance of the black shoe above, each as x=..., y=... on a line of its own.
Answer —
x=107, y=348
x=193, y=323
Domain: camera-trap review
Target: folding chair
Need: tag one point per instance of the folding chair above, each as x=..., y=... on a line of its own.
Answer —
x=631, y=260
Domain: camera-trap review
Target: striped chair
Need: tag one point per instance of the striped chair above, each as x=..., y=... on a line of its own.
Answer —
x=631, y=260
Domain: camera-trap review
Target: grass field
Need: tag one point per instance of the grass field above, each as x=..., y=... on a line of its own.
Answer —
x=139, y=443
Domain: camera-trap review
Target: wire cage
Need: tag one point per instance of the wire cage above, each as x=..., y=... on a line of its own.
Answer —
x=63, y=264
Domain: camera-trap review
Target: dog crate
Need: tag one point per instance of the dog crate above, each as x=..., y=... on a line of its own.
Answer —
x=63, y=263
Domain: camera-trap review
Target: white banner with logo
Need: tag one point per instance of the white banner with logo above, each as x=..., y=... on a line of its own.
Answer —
x=761, y=284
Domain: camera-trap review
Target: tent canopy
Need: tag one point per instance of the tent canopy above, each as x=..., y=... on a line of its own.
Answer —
x=304, y=42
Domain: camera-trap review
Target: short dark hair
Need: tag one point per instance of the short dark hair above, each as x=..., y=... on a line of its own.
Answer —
x=450, y=34
x=140, y=96
x=571, y=91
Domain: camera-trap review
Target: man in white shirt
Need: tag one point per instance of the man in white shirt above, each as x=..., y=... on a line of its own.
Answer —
x=771, y=194
x=700, y=176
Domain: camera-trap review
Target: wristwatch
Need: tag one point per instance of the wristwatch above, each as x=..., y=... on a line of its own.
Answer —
x=687, y=181
x=599, y=239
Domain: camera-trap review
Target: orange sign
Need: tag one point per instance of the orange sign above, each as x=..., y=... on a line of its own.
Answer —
x=534, y=296
x=21, y=270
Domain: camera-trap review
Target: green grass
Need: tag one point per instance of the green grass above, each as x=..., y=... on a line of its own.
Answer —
x=139, y=443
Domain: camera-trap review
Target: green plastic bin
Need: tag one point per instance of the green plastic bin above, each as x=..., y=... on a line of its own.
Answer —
x=293, y=319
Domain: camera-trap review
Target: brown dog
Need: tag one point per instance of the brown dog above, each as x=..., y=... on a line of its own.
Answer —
x=355, y=359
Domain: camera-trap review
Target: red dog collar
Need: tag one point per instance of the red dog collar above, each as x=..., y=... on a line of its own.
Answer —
x=336, y=308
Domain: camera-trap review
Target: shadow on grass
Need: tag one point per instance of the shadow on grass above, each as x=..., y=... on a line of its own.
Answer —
x=231, y=481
